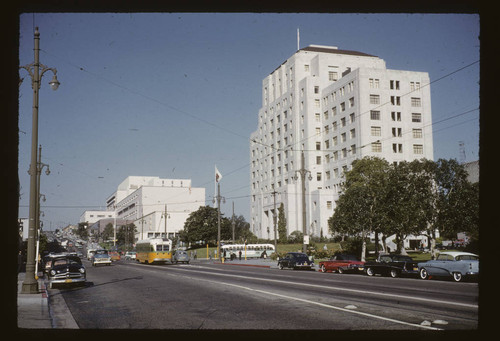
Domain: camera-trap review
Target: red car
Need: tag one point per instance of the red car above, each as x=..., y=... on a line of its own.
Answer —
x=342, y=263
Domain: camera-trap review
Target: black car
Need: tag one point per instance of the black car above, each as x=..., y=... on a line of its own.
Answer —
x=296, y=260
x=392, y=265
x=66, y=270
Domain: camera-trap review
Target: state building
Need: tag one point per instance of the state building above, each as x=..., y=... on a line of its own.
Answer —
x=332, y=106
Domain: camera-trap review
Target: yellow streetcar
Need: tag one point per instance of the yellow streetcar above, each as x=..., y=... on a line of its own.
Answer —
x=156, y=250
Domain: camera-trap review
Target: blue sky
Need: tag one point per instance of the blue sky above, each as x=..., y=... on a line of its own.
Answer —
x=174, y=94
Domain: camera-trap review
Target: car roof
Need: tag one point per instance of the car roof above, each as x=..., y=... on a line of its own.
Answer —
x=457, y=253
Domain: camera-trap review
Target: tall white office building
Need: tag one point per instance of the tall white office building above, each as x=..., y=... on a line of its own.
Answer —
x=333, y=106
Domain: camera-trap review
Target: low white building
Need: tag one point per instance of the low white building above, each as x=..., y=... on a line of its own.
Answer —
x=156, y=205
x=92, y=217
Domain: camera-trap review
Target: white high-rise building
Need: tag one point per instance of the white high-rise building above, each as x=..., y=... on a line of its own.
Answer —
x=333, y=106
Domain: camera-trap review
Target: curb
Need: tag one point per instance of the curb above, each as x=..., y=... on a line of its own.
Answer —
x=239, y=264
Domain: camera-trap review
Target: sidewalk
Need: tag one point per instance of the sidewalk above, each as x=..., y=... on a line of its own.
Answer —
x=32, y=309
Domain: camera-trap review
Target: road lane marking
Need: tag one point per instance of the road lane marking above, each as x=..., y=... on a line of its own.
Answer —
x=340, y=289
x=323, y=305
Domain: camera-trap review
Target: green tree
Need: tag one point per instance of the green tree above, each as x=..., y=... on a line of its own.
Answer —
x=282, y=224
x=455, y=202
x=202, y=225
x=125, y=235
x=408, y=202
x=108, y=232
x=360, y=209
x=82, y=230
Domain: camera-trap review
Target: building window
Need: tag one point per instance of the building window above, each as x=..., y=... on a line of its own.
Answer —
x=396, y=116
x=418, y=149
x=318, y=117
x=316, y=89
x=352, y=133
x=416, y=118
x=318, y=160
x=306, y=67
x=318, y=145
x=329, y=205
x=397, y=132
x=342, y=122
x=318, y=176
x=333, y=76
x=376, y=147
x=376, y=131
x=415, y=102
x=394, y=85
x=374, y=99
x=374, y=83
x=375, y=115
x=417, y=133
x=342, y=106
x=395, y=100
x=351, y=102
x=397, y=147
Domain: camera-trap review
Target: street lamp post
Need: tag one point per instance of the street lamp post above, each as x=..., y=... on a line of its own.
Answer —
x=302, y=171
x=219, y=198
x=30, y=284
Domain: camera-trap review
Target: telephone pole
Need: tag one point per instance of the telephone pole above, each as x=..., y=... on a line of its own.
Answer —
x=274, y=221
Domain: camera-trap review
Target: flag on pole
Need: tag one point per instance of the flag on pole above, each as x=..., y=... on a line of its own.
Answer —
x=218, y=175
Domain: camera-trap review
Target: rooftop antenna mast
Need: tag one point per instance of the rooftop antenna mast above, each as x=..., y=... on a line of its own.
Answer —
x=298, y=39
x=462, y=157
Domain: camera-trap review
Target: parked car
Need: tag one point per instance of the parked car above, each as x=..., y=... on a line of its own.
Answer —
x=296, y=260
x=342, y=263
x=458, y=265
x=130, y=255
x=392, y=265
x=180, y=256
x=114, y=255
x=66, y=269
x=100, y=257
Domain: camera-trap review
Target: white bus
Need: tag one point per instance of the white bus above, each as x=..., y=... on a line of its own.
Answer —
x=248, y=251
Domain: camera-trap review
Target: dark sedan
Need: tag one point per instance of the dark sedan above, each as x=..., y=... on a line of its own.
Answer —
x=296, y=260
x=392, y=265
x=66, y=270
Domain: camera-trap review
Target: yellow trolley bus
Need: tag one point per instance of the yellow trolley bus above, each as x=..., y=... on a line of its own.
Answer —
x=156, y=250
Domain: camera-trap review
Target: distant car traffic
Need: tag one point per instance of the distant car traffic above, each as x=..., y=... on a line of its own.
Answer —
x=66, y=269
x=458, y=265
x=296, y=261
x=180, y=256
x=342, y=263
x=100, y=257
x=114, y=255
x=392, y=265
x=130, y=255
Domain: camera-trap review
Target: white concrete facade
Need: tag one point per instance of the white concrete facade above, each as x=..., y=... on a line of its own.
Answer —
x=335, y=106
x=144, y=200
x=92, y=217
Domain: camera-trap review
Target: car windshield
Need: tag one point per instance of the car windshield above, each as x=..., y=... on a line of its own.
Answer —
x=101, y=252
x=299, y=256
x=101, y=255
x=467, y=257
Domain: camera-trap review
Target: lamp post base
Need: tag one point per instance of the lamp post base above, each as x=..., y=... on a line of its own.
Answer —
x=30, y=288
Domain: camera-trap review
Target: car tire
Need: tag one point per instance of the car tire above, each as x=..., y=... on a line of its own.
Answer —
x=394, y=273
x=457, y=276
x=280, y=266
x=323, y=268
x=370, y=272
x=423, y=273
x=340, y=270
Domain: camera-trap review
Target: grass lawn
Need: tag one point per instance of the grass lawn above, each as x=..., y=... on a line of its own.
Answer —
x=284, y=248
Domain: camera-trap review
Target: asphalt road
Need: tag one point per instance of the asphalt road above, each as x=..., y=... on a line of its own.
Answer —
x=214, y=296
